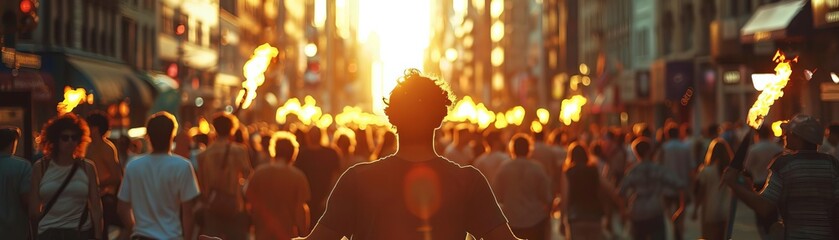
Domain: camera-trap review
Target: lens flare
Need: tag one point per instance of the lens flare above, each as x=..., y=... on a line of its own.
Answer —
x=72, y=99
x=571, y=109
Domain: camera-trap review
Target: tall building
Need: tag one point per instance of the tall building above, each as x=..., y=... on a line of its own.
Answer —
x=560, y=31
x=96, y=45
x=187, y=50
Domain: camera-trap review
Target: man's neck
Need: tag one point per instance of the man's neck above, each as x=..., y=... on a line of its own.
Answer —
x=416, y=150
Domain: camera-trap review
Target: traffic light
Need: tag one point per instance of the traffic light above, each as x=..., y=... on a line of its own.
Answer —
x=27, y=15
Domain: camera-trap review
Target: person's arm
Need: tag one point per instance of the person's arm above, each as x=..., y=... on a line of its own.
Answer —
x=94, y=201
x=502, y=232
x=187, y=218
x=744, y=191
x=114, y=167
x=127, y=217
x=302, y=219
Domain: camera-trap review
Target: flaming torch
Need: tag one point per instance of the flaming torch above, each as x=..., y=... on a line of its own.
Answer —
x=571, y=108
x=255, y=74
x=72, y=99
x=774, y=89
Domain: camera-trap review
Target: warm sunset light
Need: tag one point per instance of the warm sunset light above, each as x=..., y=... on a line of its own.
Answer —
x=571, y=109
x=403, y=32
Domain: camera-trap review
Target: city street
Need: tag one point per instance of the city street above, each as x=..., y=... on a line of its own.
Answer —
x=248, y=119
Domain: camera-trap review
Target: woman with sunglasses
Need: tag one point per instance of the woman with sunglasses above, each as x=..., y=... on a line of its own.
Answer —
x=64, y=203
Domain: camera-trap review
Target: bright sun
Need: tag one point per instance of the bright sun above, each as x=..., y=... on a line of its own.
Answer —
x=402, y=27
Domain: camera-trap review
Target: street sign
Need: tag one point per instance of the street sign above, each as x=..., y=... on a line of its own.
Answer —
x=14, y=59
x=830, y=92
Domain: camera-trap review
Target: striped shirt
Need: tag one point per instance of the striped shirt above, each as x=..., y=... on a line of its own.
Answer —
x=805, y=187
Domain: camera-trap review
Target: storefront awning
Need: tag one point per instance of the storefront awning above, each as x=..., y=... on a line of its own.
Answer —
x=112, y=82
x=777, y=21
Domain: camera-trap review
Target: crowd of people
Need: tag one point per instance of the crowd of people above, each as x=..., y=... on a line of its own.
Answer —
x=417, y=179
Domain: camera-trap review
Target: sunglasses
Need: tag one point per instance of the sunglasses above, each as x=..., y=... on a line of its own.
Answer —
x=70, y=137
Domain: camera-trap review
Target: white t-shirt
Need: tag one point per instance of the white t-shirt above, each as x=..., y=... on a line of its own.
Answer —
x=156, y=185
x=69, y=207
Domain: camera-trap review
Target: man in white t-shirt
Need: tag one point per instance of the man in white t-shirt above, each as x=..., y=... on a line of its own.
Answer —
x=159, y=189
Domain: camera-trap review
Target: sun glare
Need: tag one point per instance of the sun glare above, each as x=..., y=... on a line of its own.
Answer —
x=402, y=28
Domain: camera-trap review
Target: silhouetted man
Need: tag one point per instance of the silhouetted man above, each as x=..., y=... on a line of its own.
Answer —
x=414, y=194
x=278, y=191
x=321, y=165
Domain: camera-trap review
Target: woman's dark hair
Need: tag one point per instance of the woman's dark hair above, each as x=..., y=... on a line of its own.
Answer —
x=51, y=132
x=418, y=101
x=642, y=147
x=719, y=152
x=577, y=155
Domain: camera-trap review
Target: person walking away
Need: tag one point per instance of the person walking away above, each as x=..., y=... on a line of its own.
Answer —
x=321, y=165
x=712, y=199
x=277, y=192
x=103, y=153
x=644, y=186
x=15, y=177
x=758, y=159
x=802, y=184
x=159, y=191
x=65, y=203
x=459, y=150
x=415, y=193
x=222, y=168
x=585, y=196
x=493, y=160
x=677, y=157
x=523, y=190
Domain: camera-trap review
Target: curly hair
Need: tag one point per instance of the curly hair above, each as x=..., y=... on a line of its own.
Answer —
x=417, y=100
x=51, y=132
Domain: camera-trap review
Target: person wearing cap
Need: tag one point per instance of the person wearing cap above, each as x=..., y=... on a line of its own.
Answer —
x=802, y=184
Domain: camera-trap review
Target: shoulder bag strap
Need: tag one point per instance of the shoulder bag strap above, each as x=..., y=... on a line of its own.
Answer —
x=60, y=190
x=223, y=163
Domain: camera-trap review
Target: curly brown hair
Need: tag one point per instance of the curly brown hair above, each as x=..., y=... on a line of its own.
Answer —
x=51, y=132
x=417, y=100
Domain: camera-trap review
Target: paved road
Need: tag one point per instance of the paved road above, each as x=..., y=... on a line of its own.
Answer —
x=744, y=227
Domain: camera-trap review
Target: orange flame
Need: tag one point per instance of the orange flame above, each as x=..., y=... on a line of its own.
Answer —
x=774, y=90
x=254, y=73
x=571, y=108
x=72, y=98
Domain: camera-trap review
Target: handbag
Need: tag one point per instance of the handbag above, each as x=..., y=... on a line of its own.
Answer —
x=221, y=203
